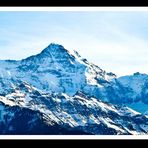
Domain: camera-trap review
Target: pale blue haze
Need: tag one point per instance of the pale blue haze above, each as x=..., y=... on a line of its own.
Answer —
x=115, y=41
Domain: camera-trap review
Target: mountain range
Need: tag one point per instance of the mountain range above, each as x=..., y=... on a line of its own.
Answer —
x=59, y=92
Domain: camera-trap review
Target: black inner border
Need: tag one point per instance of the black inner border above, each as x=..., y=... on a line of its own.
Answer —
x=60, y=3
x=74, y=143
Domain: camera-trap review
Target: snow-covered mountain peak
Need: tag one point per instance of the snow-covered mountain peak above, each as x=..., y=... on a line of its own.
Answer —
x=53, y=48
x=54, y=55
x=135, y=82
x=66, y=89
x=55, y=69
x=55, y=51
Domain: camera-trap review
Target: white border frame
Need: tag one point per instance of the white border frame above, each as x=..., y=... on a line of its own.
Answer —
x=68, y=9
x=74, y=9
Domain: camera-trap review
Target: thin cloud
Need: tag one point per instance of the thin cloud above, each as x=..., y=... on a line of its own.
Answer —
x=116, y=41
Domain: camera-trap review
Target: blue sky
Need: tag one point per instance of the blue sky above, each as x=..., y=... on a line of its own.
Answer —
x=115, y=41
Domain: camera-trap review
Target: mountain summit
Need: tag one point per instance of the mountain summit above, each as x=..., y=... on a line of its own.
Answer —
x=59, y=88
x=56, y=69
x=54, y=49
x=52, y=53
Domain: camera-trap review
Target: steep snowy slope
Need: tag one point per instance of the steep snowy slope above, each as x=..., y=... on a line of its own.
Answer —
x=23, y=121
x=56, y=70
x=79, y=113
x=138, y=96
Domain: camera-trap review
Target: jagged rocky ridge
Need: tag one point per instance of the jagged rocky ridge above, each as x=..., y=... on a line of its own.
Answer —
x=58, y=71
x=29, y=110
x=55, y=69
